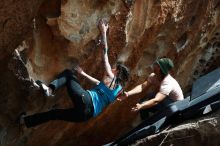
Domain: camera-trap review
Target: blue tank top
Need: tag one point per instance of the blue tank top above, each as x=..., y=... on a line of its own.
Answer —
x=103, y=96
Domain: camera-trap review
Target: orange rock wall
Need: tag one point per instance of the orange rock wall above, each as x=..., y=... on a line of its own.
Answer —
x=60, y=33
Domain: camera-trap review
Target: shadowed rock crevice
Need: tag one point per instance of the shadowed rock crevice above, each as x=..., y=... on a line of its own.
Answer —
x=182, y=42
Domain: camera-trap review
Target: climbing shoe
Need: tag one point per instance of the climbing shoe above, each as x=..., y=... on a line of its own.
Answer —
x=47, y=91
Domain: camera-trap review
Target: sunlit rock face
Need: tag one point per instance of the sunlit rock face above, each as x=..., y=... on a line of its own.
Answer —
x=52, y=35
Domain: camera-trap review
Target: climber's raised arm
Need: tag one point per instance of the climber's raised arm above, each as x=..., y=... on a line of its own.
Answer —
x=103, y=26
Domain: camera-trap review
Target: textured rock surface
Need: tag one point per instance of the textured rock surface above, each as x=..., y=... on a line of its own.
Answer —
x=205, y=131
x=15, y=20
x=55, y=34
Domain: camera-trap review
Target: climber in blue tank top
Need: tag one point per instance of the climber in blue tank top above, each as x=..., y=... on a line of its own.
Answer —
x=111, y=86
x=103, y=96
x=87, y=103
